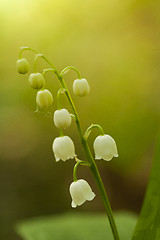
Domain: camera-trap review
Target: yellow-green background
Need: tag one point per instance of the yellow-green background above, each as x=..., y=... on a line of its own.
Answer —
x=116, y=46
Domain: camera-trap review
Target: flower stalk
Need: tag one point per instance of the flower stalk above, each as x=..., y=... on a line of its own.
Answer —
x=83, y=137
x=93, y=166
x=89, y=129
x=79, y=162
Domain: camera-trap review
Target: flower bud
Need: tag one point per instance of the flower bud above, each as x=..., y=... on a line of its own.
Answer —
x=63, y=148
x=105, y=147
x=44, y=98
x=62, y=118
x=36, y=80
x=22, y=65
x=80, y=192
x=81, y=87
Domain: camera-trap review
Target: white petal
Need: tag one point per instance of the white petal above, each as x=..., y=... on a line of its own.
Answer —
x=116, y=155
x=76, y=192
x=57, y=159
x=105, y=147
x=91, y=196
x=44, y=98
x=63, y=148
x=62, y=118
x=73, y=204
x=81, y=87
x=87, y=191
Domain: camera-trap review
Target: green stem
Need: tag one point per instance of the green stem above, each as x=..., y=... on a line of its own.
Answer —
x=88, y=131
x=68, y=68
x=61, y=132
x=48, y=70
x=72, y=115
x=79, y=162
x=26, y=48
x=93, y=167
x=101, y=188
x=35, y=62
x=42, y=56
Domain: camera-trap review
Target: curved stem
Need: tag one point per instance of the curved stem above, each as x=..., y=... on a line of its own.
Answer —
x=49, y=63
x=93, y=166
x=72, y=115
x=42, y=56
x=89, y=129
x=68, y=68
x=26, y=48
x=48, y=70
x=79, y=162
x=35, y=62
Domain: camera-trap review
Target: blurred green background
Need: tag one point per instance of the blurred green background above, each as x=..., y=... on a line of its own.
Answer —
x=115, y=45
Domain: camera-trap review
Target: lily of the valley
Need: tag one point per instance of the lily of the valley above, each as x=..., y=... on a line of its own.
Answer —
x=44, y=98
x=81, y=87
x=36, y=80
x=62, y=118
x=80, y=192
x=63, y=148
x=22, y=65
x=105, y=147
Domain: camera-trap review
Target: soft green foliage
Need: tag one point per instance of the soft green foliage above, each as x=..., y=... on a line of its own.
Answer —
x=148, y=226
x=77, y=226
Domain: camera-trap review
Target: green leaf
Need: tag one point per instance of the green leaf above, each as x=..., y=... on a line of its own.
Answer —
x=148, y=226
x=77, y=226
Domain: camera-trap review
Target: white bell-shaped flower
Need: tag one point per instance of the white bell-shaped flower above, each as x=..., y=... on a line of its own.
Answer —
x=105, y=147
x=62, y=118
x=36, y=80
x=44, y=98
x=80, y=192
x=22, y=65
x=63, y=148
x=81, y=87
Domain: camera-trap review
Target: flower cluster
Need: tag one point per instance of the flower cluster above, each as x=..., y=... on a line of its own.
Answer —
x=63, y=147
x=36, y=80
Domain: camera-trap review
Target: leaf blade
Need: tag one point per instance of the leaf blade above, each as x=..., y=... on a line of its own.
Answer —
x=77, y=226
x=148, y=225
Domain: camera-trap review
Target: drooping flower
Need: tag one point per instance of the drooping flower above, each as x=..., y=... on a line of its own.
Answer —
x=36, y=80
x=22, y=65
x=81, y=87
x=62, y=118
x=44, y=98
x=105, y=147
x=80, y=192
x=63, y=148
